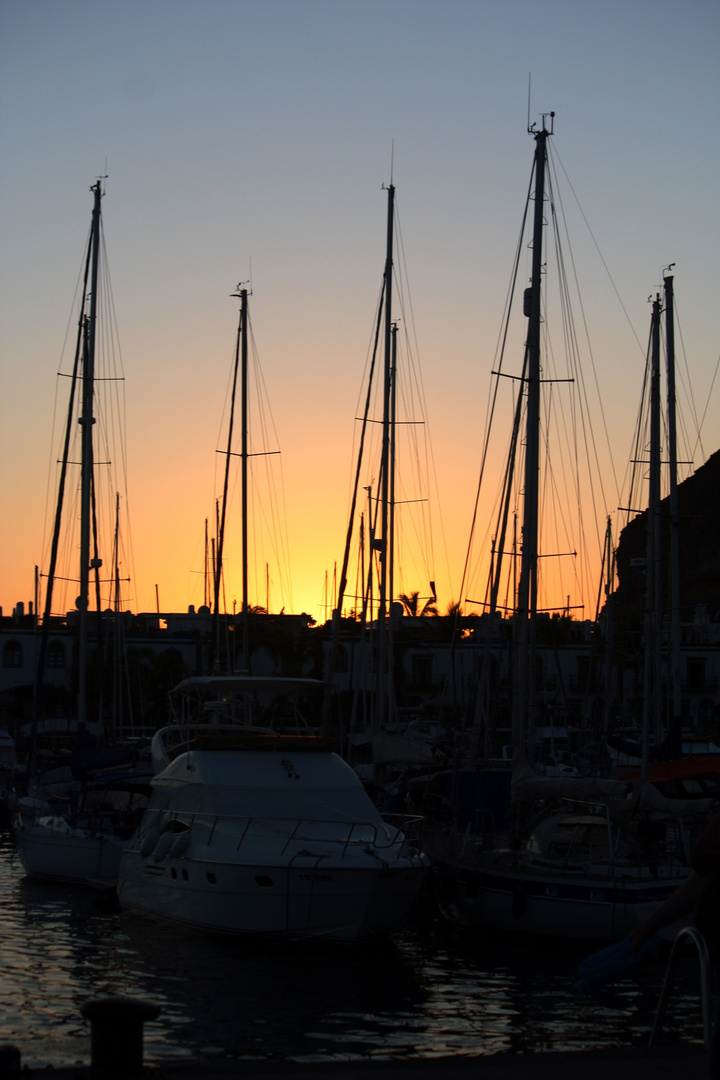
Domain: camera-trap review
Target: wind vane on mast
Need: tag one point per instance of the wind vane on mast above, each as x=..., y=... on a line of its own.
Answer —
x=240, y=285
x=532, y=128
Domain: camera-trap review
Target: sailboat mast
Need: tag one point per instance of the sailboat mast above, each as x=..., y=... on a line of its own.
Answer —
x=391, y=508
x=386, y=423
x=675, y=722
x=87, y=420
x=607, y=592
x=385, y=546
x=206, y=590
x=651, y=696
x=221, y=528
x=244, y=475
x=523, y=715
x=116, y=715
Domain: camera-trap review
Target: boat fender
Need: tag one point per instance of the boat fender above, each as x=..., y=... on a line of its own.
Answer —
x=162, y=848
x=180, y=845
x=519, y=900
x=614, y=962
x=149, y=840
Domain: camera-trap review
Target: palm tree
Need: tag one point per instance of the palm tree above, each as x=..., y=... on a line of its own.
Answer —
x=412, y=607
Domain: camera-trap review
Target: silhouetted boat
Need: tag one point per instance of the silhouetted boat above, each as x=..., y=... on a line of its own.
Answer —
x=583, y=857
x=66, y=830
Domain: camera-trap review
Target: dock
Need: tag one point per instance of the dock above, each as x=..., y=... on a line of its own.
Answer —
x=659, y=1063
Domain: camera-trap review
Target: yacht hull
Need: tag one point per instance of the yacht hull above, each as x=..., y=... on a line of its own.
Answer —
x=590, y=903
x=51, y=855
x=297, y=900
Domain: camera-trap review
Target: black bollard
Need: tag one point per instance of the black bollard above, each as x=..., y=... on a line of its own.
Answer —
x=9, y=1061
x=116, y=1036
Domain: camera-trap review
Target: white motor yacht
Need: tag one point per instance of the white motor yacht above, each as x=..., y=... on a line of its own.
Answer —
x=254, y=832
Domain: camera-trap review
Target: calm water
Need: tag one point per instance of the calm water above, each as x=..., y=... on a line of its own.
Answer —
x=433, y=991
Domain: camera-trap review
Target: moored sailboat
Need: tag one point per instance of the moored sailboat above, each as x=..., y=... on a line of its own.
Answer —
x=77, y=833
x=378, y=721
x=583, y=857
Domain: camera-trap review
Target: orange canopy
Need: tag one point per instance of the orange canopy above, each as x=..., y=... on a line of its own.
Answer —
x=698, y=767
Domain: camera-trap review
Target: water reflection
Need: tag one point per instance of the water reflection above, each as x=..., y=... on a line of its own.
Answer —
x=433, y=991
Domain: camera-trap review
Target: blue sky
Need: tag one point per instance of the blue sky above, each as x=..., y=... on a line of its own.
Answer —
x=242, y=133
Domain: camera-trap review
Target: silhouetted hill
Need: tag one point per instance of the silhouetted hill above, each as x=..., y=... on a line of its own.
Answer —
x=699, y=509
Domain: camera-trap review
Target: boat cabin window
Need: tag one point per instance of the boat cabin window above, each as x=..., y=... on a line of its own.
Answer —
x=574, y=840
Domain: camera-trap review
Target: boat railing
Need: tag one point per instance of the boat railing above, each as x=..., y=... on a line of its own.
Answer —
x=399, y=835
x=410, y=826
x=694, y=935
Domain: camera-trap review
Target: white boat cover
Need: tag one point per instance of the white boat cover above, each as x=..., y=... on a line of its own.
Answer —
x=311, y=786
x=527, y=785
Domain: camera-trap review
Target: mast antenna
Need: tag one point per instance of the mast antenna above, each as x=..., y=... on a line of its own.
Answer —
x=529, y=82
x=99, y=181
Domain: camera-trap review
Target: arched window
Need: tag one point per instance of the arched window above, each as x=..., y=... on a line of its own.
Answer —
x=12, y=654
x=422, y=670
x=341, y=659
x=56, y=655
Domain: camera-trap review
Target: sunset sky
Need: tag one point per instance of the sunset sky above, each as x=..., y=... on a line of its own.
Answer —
x=255, y=136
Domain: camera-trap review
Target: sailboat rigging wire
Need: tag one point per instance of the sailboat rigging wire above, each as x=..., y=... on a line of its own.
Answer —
x=428, y=466
x=218, y=577
x=568, y=428
x=490, y=412
x=687, y=384
x=587, y=338
x=353, y=501
x=111, y=418
x=582, y=400
x=566, y=422
x=117, y=410
x=45, y=629
x=639, y=459
x=110, y=426
x=118, y=407
x=636, y=457
x=277, y=519
x=406, y=394
x=597, y=247
x=707, y=405
x=269, y=515
x=51, y=490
